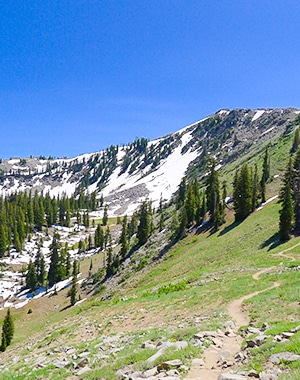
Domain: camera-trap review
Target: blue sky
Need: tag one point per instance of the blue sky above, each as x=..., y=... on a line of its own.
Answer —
x=79, y=75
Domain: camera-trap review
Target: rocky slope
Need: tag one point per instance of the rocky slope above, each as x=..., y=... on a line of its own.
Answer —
x=149, y=169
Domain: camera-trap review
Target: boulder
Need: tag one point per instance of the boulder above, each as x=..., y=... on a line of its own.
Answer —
x=286, y=356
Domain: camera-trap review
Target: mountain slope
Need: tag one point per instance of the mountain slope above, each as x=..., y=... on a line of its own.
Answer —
x=165, y=293
x=150, y=169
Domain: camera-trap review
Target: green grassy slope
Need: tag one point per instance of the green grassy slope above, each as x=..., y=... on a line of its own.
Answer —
x=188, y=290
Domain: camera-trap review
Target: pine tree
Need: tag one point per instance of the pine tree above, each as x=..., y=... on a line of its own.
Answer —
x=181, y=193
x=296, y=191
x=31, y=277
x=286, y=213
x=3, y=239
x=183, y=221
x=265, y=175
x=161, y=221
x=242, y=193
x=144, y=227
x=212, y=190
x=190, y=206
x=123, y=238
x=255, y=188
x=55, y=270
x=40, y=267
x=7, y=331
x=296, y=141
x=105, y=216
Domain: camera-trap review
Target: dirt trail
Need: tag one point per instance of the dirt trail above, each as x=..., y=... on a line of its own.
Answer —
x=281, y=254
x=207, y=368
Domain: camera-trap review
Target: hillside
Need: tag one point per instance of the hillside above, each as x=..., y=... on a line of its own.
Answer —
x=199, y=307
x=145, y=169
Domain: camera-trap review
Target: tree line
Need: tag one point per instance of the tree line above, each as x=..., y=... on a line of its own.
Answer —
x=21, y=214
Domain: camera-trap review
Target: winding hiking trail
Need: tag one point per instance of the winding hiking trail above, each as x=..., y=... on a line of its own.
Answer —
x=206, y=368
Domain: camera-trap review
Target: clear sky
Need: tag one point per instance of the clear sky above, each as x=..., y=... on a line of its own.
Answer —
x=79, y=75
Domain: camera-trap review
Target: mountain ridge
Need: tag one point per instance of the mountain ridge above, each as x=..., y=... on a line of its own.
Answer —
x=145, y=169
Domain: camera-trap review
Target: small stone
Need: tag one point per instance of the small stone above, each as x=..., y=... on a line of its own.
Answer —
x=253, y=373
x=83, y=370
x=147, y=345
x=287, y=335
x=61, y=364
x=150, y=372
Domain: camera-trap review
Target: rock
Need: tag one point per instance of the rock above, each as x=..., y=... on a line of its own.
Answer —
x=239, y=356
x=265, y=326
x=206, y=334
x=295, y=329
x=257, y=341
x=83, y=370
x=150, y=372
x=172, y=372
x=163, y=346
x=180, y=345
x=82, y=363
x=286, y=356
x=169, y=364
x=270, y=375
x=231, y=376
x=217, y=342
x=61, y=364
x=84, y=354
x=147, y=345
x=229, y=332
x=287, y=335
x=253, y=330
x=253, y=373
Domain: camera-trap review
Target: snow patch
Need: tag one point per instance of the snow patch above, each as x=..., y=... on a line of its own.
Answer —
x=258, y=114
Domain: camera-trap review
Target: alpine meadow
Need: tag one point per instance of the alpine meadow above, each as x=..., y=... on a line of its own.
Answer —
x=173, y=258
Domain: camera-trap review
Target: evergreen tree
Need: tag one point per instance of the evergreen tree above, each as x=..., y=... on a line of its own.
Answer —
x=181, y=193
x=190, y=206
x=255, y=188
x=242, y=193
x=265, y=175
x=212, y=189
x=3, y=239
x=31, y=277
x=40, y=267
x=7, y=331
x=133, y=225
x=105, y=216
x=68, y=262
x=183, y=221
x=55, y=270
x=161, y=221
x=123, y=238
x=296, y=191
x=99, y=237
x=144, y=227
x=286, y=213
x=296, y=141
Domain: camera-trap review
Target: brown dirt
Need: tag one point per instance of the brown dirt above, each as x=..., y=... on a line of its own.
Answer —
x=209, y=370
